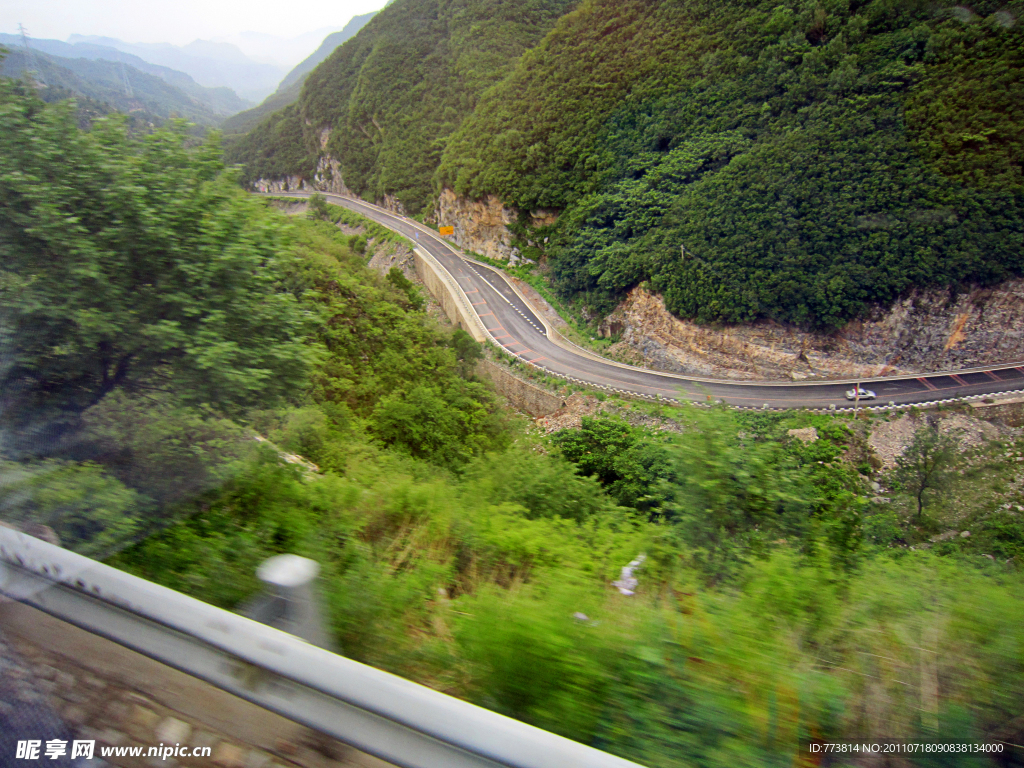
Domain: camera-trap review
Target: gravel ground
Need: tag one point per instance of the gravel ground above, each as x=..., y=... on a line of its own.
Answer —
x=25, y=714
x=889, y=439
x=578, y=405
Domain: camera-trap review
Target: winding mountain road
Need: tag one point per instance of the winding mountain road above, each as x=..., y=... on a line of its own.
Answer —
x=516, y=326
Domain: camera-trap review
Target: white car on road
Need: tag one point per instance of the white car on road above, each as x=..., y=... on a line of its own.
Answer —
x=864, y=394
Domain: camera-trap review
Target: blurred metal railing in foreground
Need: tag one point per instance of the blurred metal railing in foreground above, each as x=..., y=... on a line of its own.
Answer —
x=396, y=720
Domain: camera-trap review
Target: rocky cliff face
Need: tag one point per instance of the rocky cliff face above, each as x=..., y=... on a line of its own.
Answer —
x=393, y=204
x=326, y=179
x=481, y=226
x=288, y=184
x=928, y=330
x=328, y=176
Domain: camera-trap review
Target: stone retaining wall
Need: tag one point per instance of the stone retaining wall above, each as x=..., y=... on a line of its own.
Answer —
x=523, y=396
x=1009, y=410
x=453, y=307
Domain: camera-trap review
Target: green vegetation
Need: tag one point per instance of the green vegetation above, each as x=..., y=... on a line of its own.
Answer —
x=392, y=94
x=964, y=503
x=321, y=210
x=219, y=100
x=799, y=162
x=627, y=462
x=811, y=158
x=276, y=148
x=764, y=614
x=153, y=314
x=132, y=265
x=99, y=86
x=243, y=122
x=459, y=549
x=924, y=467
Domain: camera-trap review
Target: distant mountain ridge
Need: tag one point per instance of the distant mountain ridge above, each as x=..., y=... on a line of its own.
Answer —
x=326, y=48
x=290, y=87
x=279, y=49
x=392, y=94
x=104, y=86
x=221, y=100
x=209, y=63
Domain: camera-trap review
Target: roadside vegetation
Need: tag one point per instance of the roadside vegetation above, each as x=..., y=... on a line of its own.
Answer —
x=393, y=94
x=156, y=320
x=799, y=161
x=811, y=158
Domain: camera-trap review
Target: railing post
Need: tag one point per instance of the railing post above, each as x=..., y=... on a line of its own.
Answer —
x=292, y=606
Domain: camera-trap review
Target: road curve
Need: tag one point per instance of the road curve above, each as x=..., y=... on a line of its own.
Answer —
x=514, y=324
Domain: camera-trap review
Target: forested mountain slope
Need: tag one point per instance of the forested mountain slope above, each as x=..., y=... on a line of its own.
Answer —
x=804, y=574
x=392, y=94
x=104, y=86
x=291, y=86
x=220, y=100
x=812, y=158
x=332, y=41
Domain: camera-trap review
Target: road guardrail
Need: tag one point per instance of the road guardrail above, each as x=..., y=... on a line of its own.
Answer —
x=399, y=721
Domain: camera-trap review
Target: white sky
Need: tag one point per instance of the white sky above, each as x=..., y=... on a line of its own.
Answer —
x=177, y=21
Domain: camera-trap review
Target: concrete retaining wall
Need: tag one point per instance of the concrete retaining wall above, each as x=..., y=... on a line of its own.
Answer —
x=523, y=396
x=1009, y=410
x=454, y=307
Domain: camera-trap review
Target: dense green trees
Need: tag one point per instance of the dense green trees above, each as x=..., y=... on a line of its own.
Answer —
x=752, y=627
x=274, y=149
x=810, y=158
x=131, y=264
x=393, y=94
x=457, y=548
x=153, y=313
x=629, y=463
x=730, y=488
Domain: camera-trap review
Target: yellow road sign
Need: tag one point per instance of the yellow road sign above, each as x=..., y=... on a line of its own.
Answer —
x=447, y=230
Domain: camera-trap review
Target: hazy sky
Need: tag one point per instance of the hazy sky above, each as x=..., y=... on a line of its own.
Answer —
x=176, y=21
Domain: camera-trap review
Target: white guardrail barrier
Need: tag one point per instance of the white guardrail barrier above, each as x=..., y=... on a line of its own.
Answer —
x=394, y=719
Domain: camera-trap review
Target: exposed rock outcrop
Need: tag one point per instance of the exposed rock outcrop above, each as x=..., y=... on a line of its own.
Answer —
x=328, y=176
x=482, y=226
x=393, y=204
x=287, y=184
x=928, y=330
x=328, y=169
x=391, y=254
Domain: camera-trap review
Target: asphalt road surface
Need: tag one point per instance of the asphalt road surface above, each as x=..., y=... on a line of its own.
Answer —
x=513, y=323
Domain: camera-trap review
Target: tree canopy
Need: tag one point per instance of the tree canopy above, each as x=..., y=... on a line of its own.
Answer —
x=134, y=264
x=811, y=158
x=392, y=95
